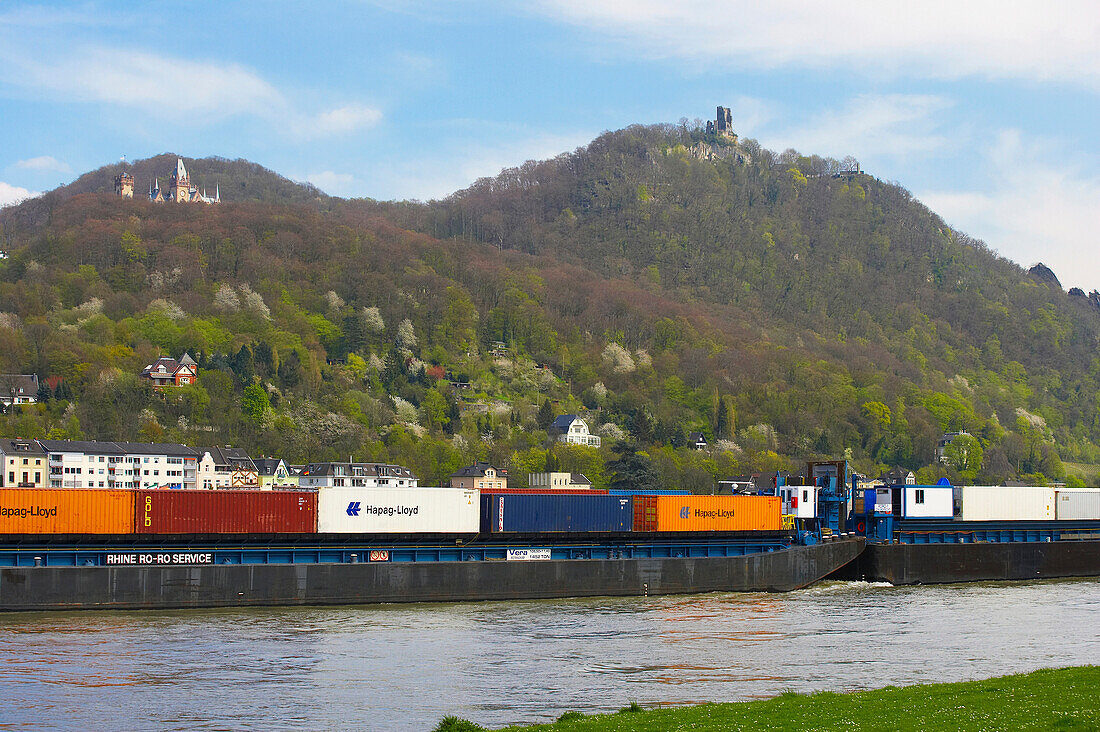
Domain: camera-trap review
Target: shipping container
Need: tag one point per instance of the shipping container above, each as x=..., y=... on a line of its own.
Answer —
x=66, y=511
x=547, y=491
x=927, y=501
x=398, y=511
x=708, y=513
x=1003, y=503
x=557, y=512
x=225, y=512
x=657, y=492
x=1077, y=504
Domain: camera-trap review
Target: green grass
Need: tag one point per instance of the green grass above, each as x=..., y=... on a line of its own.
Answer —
x=1062, y=699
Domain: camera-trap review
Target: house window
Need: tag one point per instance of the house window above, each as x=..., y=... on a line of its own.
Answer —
x=11, y=477
x=919, y=496
x=805, y=496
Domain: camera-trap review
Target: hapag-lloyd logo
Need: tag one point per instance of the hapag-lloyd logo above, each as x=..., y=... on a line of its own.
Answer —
x=356, y=507
x=685, y=513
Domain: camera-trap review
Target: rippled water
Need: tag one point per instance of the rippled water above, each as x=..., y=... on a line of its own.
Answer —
x=404, y=667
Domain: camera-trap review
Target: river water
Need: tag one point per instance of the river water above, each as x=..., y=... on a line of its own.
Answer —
x=404, y=667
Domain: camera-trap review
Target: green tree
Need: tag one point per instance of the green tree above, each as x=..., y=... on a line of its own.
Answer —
x=546, y=415
x=255, y=403
x=633, y=470
x=964, y=453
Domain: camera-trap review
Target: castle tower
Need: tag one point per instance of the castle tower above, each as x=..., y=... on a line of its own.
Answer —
x=124, y=185
x=180, y=185
x=724, y=123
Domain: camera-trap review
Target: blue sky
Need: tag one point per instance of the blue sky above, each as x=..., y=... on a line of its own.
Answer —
x=986, y=111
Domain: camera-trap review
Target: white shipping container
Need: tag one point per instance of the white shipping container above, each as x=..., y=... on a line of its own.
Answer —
x=1077, y=504
x=928, y=501
x=1003, y=503
x=397, y=511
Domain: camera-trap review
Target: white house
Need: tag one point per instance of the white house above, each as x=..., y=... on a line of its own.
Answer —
x=92, y=464
x=572, y=429
x=573, y=481
x=356, y=475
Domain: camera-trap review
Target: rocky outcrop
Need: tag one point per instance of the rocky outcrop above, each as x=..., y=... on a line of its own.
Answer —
x=1044, y=274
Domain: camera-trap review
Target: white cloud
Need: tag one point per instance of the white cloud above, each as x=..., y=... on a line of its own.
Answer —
x=10, y=194
x=152, y=82
x=46, y=163
x=342, y=120
x=934, y=38
x=173, y=88
x=868, y=126
x=332, y=183
x=1036, y=210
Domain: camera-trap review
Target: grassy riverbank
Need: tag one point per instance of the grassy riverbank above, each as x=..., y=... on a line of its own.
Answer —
x=1057, y=699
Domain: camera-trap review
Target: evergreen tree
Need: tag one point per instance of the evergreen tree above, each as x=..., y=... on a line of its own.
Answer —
x=546, y=415
x=632, y=470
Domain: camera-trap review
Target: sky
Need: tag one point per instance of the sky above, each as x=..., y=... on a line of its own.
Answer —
x=987, y=111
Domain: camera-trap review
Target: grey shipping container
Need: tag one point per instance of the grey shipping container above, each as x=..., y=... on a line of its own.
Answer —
x=1077, y=504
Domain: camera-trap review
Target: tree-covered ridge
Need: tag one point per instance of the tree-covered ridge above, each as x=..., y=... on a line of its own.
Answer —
x=780, y=310
x=239, y=180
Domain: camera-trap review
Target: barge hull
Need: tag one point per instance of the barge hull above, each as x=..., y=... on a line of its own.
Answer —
x=918, y=564
x=160, y=587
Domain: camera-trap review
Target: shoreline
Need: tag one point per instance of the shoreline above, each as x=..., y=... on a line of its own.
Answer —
x=1059, y=698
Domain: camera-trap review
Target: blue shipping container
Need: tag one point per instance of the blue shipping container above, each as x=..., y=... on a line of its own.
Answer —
x=627, y=492
x=532, y=513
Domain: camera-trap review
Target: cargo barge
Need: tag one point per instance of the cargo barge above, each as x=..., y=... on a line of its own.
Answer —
x=71, y=548
x=944, y=534
x=452, y=578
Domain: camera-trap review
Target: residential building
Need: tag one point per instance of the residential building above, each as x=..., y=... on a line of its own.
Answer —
x=356, y=475
x=947, y=439
x=226, y=467
x=479, y=476
x=143, y=465
x=697, y=441
x=571, y=481
x=275, y=473
x=24, y=464
x=898, y=476
x=18, y=389
x=167, y=371
x=570, y=428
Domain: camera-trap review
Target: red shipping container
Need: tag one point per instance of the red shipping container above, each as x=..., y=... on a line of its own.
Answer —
x=225, y=512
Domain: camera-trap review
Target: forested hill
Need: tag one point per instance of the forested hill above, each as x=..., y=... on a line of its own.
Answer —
x=781, y=307
x=239, y=180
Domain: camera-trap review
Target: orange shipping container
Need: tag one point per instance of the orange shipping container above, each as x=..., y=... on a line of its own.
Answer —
x=708, y=513
x=66, y=511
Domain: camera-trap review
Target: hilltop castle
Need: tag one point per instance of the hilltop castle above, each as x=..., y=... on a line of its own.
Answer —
x=722, y=124
x=179, y=190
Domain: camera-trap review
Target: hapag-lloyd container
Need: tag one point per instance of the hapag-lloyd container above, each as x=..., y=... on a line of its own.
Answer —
x=555, y=512
x=225, y=512
x=548, y=491
x=708, y=513
x=66, y=511
x=1077, y=504
x=1003, y=503
x=397, y=511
